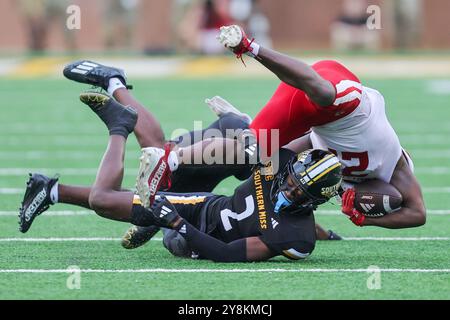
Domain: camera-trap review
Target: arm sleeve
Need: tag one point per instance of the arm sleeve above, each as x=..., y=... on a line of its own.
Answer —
x=212, y=248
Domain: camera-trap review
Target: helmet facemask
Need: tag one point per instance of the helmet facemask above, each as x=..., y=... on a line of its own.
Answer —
x=292, y=194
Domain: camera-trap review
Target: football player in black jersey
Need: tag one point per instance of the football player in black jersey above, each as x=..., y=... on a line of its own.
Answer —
x=268, y=215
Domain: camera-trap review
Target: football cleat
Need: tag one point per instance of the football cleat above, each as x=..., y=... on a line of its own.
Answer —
x=333, y=236
x=95, y=74
x=136, y=237
x=118, y=118
x=36, y=200
x=154, y=174
x=220, y=106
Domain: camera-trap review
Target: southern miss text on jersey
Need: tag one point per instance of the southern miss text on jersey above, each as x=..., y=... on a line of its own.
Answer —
x=250, y=212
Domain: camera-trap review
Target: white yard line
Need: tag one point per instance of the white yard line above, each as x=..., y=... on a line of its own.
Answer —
x=426, y=190
x=320, y=212
x=236, y=270
x=73, y=213
x=11, y=191
x=397, y=238
x=21, y=155
x=18, y=172
x=63, y=239
x=160, y=239
x=65, y=213
x=58, y=155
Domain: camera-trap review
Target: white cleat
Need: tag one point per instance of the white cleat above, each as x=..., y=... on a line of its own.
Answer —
x=220, y=106
x=154, y=173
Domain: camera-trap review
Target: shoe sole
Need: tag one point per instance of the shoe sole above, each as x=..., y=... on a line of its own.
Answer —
x=130, y=234
x=142, y=186
x=148, y=164
x=94, y=100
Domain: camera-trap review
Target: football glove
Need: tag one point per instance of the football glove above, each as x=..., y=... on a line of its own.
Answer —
x=165, y=213
x=348, y=208
x=235, y=39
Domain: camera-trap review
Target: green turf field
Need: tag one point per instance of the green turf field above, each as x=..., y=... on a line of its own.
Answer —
x=44, y=127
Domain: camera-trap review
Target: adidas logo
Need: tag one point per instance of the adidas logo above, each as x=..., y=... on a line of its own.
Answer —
x=275, y=223
x=84, y=68
x=183, y=229
x=251, y=149
x=164, y=212
x=367, y=206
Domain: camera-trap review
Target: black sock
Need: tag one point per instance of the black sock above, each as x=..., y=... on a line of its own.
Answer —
x=120, y=120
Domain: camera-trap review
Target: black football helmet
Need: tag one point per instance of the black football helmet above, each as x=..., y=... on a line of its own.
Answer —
x=313, y=177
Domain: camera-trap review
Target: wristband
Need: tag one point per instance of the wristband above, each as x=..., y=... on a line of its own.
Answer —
x=253, y=50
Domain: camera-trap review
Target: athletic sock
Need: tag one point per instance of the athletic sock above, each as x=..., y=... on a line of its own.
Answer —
x=255, y=50
x=54, y=195
x=173, y=161
x=115, y=84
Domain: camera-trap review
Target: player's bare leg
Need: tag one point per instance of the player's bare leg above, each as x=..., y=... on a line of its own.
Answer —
x=148, y=130
x=105, y=197
x=78, y=196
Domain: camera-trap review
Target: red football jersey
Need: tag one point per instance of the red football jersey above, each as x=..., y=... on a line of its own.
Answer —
x=292, y=112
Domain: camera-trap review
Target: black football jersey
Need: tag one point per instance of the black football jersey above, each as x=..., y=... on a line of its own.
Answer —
x=250, y=212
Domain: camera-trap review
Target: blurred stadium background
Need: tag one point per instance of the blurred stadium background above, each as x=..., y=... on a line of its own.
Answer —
x=169, y=51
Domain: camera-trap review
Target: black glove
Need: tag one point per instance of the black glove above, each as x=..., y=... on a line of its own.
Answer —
x=165, y=213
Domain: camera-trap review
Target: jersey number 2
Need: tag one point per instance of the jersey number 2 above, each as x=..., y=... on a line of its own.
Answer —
x=362, y=157
x=227, y=214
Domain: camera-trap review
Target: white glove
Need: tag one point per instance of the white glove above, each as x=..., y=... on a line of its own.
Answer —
x=231, y=36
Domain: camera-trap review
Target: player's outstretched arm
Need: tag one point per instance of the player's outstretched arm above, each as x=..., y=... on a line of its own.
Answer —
x=289, y=70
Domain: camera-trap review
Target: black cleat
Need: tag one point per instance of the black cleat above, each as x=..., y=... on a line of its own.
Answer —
x=333, y=236
x=93, y=73
x=136, y=237
x=36, y=200
x=119, y=119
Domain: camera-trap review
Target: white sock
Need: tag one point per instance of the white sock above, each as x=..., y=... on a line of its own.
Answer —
x=54, y=193
x=173, y=161
x=115, y=84
x=255, y=50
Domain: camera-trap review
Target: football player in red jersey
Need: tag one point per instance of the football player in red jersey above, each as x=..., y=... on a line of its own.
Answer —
x=342, y=116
